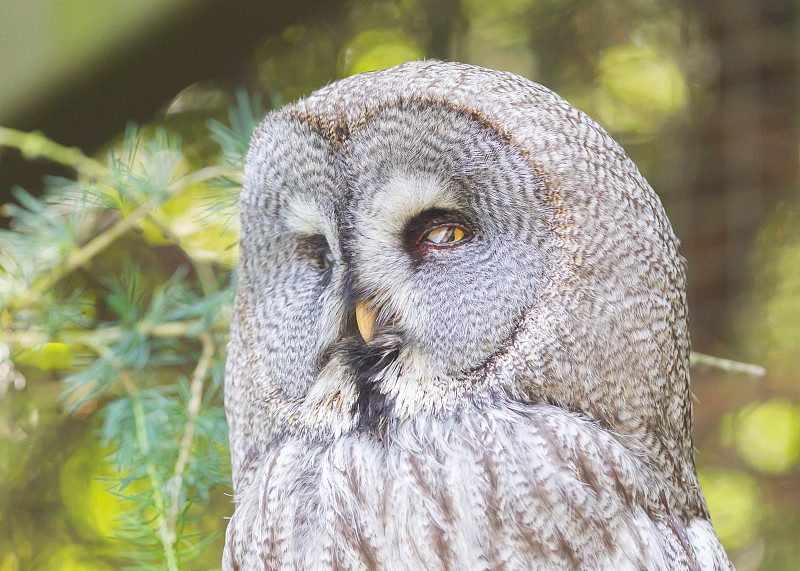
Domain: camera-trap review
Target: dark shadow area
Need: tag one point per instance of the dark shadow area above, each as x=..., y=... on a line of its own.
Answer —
x=213, y=41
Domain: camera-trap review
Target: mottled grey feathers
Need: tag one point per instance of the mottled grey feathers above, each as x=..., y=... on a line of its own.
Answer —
x=524, y=402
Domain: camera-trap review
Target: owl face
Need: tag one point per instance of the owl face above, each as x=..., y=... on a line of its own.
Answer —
x=391, y=263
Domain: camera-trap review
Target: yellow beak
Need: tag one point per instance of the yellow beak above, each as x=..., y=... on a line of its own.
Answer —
x=365, y=318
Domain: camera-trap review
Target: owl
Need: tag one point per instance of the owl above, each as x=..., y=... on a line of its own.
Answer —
x=459, y=339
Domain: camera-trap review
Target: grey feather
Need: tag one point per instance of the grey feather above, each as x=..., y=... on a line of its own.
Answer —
x=524, y=402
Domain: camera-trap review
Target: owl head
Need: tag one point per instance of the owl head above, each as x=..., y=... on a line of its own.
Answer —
x=438, y=236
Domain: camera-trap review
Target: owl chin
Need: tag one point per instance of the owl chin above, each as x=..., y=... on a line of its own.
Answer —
x=379, y=383
x=368, y=365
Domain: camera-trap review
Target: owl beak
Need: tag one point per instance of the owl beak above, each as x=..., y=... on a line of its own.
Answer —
x=365, y=318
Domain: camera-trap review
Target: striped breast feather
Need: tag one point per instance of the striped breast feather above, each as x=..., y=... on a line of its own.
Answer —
x=507, y=487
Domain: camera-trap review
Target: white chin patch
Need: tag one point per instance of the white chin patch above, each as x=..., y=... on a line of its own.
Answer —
x=409, y=381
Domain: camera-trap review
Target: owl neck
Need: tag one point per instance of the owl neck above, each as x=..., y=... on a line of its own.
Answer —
x=618, y=368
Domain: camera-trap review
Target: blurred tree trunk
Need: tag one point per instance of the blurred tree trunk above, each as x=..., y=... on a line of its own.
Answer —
x=743, y=157
x=446, y=23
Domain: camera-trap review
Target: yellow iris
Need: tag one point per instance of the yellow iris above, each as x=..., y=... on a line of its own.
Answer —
x=445, y=235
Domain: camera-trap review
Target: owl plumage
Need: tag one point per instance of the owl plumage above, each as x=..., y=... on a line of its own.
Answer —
x=460, y=338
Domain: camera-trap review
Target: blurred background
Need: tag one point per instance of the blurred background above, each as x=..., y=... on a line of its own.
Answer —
x=703, y=95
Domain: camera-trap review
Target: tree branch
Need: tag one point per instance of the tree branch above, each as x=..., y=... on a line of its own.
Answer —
x=166, y=537
x=35, y=145
x=100, y=242
x=726, y=365
x=192, y=413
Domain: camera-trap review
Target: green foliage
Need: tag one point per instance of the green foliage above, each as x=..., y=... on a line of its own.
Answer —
x=115, y=288
x=120, y=282
x=640, y=89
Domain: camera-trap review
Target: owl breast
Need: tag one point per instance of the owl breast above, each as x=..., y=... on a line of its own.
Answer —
x=508, y=487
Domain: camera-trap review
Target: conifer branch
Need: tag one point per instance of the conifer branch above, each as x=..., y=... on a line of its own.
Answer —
x=192, y=413
x=128, y=332
x=84, y=254
x=95, y=338
x=35, y=145
x=204, y=272
x=166, y=536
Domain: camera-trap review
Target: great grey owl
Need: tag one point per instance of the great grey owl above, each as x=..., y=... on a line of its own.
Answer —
x=460, y=338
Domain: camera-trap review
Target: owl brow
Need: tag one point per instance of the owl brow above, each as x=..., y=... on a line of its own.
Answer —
x=408, y=194
x=306, y=218
x=339, y=128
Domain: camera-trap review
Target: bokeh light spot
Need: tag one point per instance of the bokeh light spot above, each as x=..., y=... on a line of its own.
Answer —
x=767, y=436
x=735, y=503
x=377, y=49
x=46, y=356
x=640, y=88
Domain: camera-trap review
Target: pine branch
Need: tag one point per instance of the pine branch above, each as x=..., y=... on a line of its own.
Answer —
x=165, y=535
x=35, y=145
x=168, y=434
x=192, y=413
x=204, y=272
x=84, y=254
x=108, y=335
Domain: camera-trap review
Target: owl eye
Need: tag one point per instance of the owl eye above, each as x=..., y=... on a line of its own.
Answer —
x=445, y=236
x=318, y=252
x=327, y=259
x=436, y=229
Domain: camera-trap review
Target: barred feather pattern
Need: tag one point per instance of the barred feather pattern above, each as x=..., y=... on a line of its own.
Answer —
x=506, y=487
x=523, y=401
